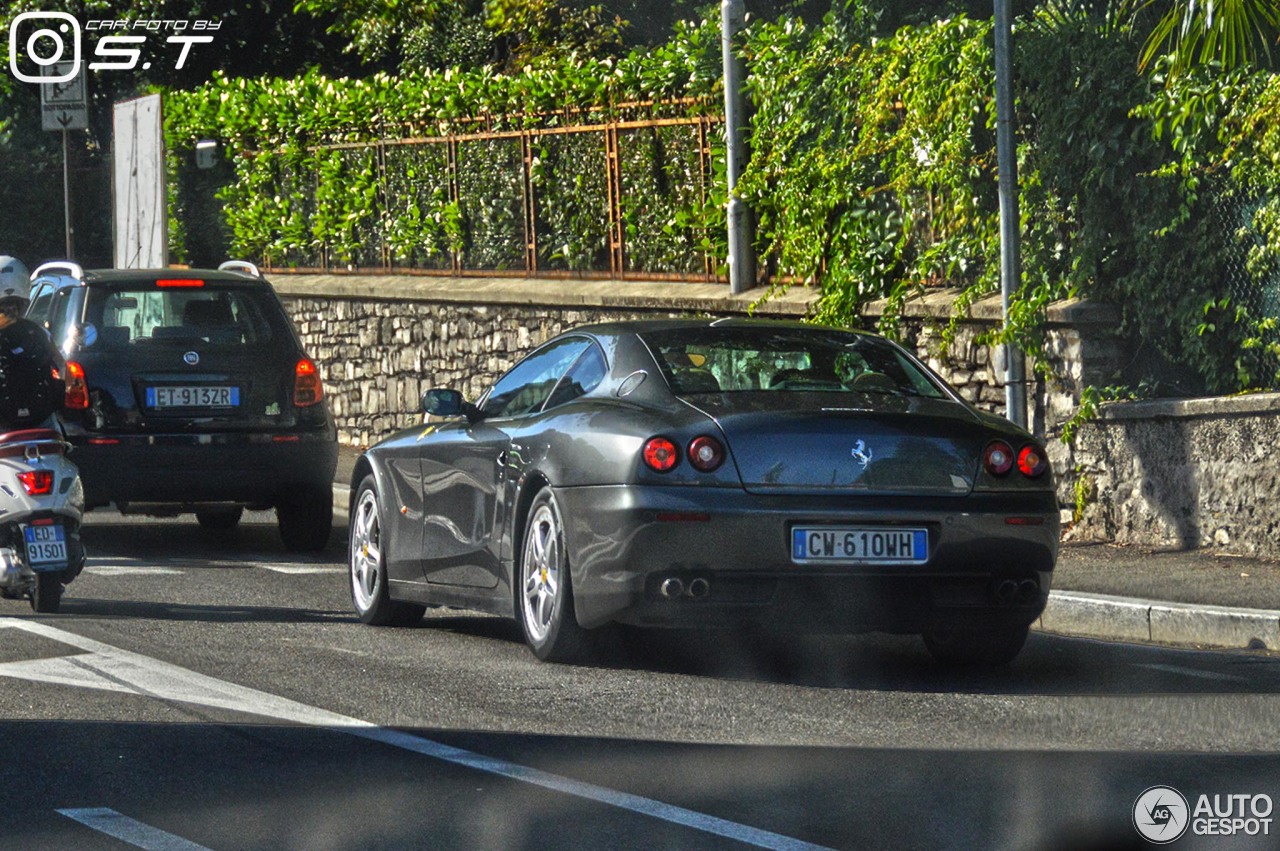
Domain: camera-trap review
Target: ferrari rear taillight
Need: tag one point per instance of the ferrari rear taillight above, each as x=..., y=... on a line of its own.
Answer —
x=77, y=396
x=307, y=389
x=660, y=454
x=36, y=482
x=705, y=453
x=997, y=458
x=1031, y=461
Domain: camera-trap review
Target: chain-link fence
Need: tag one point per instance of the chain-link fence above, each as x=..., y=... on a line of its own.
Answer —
x=1251, y=277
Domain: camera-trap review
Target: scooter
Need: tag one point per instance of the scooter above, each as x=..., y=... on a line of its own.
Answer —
x=41, y=508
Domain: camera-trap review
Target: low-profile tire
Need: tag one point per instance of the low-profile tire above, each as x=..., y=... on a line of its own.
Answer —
x=544, y=591
x=219, y=520
x=976, y=647
x=366, y=565
x=305, y=520
x=46, y=596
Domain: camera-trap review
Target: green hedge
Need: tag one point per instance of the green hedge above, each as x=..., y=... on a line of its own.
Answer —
x=872, y=174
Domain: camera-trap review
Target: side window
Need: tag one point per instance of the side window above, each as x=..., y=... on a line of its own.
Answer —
x=530, y=382
x=38, y=312
x=60, y=319
x=587, y=372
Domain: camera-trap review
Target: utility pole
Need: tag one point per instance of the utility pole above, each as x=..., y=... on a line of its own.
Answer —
x=1015, y=388
x=742, y=266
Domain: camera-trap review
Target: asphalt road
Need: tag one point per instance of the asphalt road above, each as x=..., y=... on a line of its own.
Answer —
x=223, y=694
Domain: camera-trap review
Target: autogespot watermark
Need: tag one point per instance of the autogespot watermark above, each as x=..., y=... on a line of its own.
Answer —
x=39, y=41
x=1162, y=814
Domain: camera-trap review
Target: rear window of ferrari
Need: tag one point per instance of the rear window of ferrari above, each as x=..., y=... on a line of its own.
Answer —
x=157, y=313
x=727, y=360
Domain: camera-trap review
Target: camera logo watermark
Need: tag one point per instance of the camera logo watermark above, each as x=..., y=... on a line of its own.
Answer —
x=44, y=45
x=1160, y=814
x=41, y=44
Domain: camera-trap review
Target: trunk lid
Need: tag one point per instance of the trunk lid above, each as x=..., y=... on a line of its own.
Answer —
x=893, y=446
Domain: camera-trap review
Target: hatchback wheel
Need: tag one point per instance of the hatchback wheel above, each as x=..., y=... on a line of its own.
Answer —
x=976, y=647
x=366, y=562
x=545, y=593
x=306, y=519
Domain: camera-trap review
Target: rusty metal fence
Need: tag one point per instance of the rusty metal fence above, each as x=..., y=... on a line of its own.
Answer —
x=617, y=199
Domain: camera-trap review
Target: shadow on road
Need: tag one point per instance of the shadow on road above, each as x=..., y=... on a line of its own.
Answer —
x=1048, y=665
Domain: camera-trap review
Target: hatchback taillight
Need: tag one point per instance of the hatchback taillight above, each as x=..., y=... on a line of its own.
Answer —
x=36, y=482
x=77, y=397
x=307, y=389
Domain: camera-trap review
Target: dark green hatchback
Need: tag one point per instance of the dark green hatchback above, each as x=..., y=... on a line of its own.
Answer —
x=189, y=391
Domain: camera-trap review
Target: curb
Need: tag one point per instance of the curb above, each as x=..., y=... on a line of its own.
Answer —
x=1084, y=615
x=1080, y=614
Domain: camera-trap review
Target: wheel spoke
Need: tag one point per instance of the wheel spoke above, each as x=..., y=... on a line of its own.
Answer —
x=545, y=604
x=540, y=546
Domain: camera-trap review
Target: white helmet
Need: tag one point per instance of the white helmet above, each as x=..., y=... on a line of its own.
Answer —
x=15, y=282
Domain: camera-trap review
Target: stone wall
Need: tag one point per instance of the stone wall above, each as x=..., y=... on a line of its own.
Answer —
x=1181, y=474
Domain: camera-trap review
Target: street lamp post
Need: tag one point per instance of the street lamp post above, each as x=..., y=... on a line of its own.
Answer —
x=1015, y=388
x=742, y=271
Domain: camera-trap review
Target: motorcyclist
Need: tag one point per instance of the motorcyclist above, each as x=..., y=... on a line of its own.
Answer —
x=32, y=387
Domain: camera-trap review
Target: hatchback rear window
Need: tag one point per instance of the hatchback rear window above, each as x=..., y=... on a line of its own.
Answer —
x=146, y=315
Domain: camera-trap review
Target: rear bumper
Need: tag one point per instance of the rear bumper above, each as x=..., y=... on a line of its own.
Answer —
x=190, y=469
x=625, y=541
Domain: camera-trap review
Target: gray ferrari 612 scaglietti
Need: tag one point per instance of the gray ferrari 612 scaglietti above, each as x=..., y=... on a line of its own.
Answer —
x=711, y=473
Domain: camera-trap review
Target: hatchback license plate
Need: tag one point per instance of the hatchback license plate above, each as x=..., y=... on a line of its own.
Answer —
x=193, y=396
x=46, y=547
x=859, y=544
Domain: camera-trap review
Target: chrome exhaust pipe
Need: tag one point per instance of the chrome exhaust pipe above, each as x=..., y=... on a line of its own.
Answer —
x=1005, y=591
x=1028, y=591
x=699, y=588
x=671, y=587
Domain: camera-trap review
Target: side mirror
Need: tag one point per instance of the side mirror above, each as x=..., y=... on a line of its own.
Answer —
x=442, y=402
x=439, y=402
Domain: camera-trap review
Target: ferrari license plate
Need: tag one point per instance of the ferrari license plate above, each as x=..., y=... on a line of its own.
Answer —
x=193, y=396
x=46, y=547
x=859, y=544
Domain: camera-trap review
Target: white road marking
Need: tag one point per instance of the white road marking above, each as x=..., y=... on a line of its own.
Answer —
x=125, y=829
x=299, y=569
x=106, y=667
x=129, y=570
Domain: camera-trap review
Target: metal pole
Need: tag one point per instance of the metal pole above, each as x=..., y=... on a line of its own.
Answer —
x=1015, y=389
x=742, y=271
x=66, y=195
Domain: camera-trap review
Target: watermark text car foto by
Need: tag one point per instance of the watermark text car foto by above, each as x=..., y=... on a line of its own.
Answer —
x=40, y=40
x=1162, y=814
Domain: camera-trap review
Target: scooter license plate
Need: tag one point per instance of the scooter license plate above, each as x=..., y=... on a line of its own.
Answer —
x=46, y=547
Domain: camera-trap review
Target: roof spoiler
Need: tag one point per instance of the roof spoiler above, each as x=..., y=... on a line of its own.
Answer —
x=72, y=269
x=239, y=266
